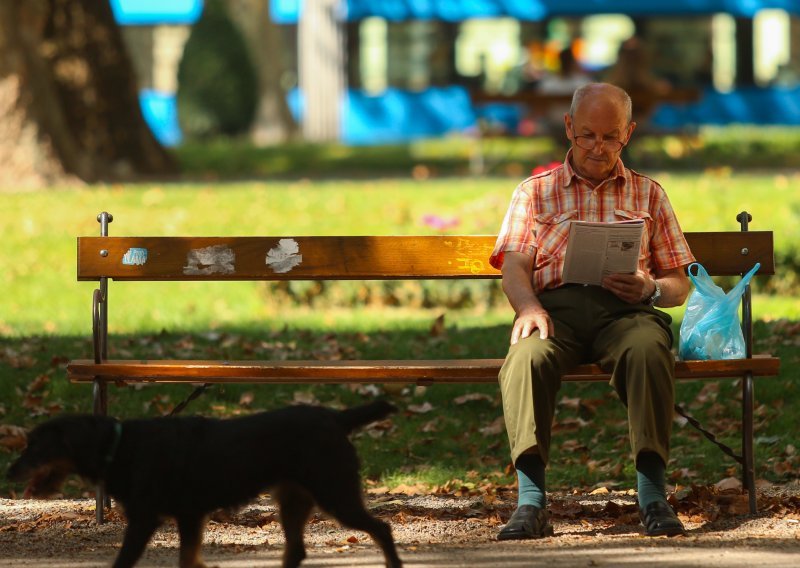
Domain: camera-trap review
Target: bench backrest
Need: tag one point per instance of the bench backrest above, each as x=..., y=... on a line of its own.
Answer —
x=354, y=257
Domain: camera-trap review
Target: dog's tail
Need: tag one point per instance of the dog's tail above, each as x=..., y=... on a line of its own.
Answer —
x=352, y=418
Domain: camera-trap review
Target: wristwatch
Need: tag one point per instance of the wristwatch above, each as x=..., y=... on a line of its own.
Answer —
x=653, y=299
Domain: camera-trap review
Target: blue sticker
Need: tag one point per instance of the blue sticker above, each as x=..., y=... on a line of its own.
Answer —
x=135, y=256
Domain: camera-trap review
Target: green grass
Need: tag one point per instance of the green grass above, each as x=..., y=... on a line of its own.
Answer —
x=231, y=159
x=45, y=320
x=40, y=228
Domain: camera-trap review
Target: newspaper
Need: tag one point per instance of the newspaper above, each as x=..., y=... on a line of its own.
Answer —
x=597, y=249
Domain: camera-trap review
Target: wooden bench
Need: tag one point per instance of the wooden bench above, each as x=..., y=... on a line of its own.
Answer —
x=367, y=258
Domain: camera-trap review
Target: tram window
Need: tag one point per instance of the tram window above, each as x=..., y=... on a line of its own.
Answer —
x=602, y=36
x=681, y=50
x=772, y=47
x=486, y=50
x=495, y=54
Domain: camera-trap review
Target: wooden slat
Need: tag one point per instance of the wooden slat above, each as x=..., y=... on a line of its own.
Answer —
x=377, y=371
x=333, y=258
x=355, y=258
x=729, y=253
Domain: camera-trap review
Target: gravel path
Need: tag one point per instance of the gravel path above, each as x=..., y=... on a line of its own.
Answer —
x=430, y=530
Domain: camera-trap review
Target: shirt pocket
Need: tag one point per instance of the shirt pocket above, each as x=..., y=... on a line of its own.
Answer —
x=622, y=215
x=551, y=232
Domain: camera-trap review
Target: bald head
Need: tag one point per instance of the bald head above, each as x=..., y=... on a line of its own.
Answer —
x=602, y=92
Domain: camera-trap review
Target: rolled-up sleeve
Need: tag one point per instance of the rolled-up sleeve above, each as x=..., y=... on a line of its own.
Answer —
x=668, y=246
x=517, y=231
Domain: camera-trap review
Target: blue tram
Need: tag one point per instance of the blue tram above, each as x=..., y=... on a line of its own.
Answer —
x=418, y=68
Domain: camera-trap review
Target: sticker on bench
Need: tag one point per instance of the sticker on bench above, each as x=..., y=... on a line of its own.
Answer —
x=285, y=256
x=135, y=257
x=217, y=259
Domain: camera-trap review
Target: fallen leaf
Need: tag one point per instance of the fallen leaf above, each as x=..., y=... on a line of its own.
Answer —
x=573, y=445
x=465, y=398
x=728, y=485
x=423, y=408
x=247, y=398
x=494, y=428
x=13, y=437
x=39, y=383
x=571, y=403
x=734, y=504
x=304, y=397
x=366, y=390
x=403, y=489
x=438, y=329
x=431, y=426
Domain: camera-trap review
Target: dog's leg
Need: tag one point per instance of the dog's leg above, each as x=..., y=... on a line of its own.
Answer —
x=137, y=535
x=295, y=506
x=380, y=532
x=190, y=528
x=346, y=505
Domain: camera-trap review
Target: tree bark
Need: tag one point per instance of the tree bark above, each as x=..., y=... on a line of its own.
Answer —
x=69, y=107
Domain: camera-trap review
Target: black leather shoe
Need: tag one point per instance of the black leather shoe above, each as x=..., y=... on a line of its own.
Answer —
x=528, y=521
x=659, y=519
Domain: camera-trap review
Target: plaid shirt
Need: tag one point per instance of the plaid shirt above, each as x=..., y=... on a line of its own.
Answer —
x=537, y=221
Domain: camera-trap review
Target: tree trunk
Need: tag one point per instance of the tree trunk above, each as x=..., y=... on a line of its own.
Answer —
x=69, y=107
x=273, y=123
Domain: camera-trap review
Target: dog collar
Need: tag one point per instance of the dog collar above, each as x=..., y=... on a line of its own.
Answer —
x=112, y=451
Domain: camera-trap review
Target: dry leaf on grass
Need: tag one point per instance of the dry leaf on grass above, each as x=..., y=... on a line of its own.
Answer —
x=495, y=428
x=423, y=408
x=463, y=399
x=13, y=437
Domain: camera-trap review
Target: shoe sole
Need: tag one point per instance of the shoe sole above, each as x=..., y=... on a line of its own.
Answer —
x=548, y=531
x=666, y=532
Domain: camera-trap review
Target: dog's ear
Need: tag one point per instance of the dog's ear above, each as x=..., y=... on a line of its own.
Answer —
x=79, y=440
x=86, y=440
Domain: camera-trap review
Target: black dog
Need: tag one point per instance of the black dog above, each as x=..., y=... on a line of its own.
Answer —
x=187, y=467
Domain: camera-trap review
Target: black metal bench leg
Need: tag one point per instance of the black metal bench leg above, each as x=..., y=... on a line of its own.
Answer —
x=100, y=399
x=748, y=467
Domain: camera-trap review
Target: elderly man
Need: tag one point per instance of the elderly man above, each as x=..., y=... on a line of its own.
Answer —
x=615, y=325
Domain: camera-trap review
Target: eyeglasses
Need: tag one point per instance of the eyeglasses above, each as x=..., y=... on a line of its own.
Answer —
x=589, y=143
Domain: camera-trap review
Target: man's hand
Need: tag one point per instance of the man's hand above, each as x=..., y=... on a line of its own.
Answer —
x=531, y=315
x=634, y=288
x=530, y=320
x=631, y=288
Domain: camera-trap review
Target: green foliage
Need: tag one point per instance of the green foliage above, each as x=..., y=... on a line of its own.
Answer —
x=734, y=147
x=217, y=83
x=415, y=294
x=716, y=149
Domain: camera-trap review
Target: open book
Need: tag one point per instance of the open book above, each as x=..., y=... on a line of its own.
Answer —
x=597, y=249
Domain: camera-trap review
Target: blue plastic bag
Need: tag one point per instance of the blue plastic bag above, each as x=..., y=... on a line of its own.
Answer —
x=711, y=328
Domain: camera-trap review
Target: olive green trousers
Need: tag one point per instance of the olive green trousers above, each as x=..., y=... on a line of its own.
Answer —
x=632, y=342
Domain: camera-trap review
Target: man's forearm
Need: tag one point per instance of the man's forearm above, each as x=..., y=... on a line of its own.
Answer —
x=674, y=290
x=519, y=290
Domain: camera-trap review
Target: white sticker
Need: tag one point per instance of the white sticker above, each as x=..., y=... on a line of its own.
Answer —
x=135, y=257
x=217, y=259
x=285, y=256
